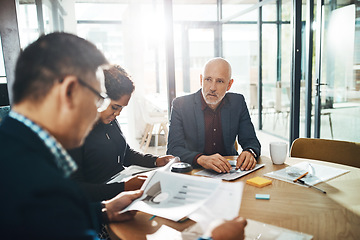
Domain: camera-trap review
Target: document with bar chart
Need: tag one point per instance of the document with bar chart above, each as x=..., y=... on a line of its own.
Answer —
x=173, y=195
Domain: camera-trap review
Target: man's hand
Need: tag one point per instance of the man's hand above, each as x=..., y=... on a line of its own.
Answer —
x=230, y=230
x=115, y=205
x=134, y=183
x=215, y=162
x=245, y=161
x=163, y=160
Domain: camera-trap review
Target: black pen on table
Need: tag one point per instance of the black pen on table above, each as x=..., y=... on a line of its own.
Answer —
x=303, y=182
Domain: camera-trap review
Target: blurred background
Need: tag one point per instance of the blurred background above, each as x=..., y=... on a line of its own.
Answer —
x=296, y=62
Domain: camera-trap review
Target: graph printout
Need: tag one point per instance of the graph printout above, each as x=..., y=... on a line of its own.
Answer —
x=173, y=195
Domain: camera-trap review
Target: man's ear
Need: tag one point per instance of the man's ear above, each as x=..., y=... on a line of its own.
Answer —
x=230, y=84
x=68, y=88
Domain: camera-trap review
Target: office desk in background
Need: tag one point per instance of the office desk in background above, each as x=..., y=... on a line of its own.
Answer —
x=335, y=215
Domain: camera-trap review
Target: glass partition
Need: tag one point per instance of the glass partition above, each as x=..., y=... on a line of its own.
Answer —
x=2, y=66
x=240, y=47
x=194, y=42
x=188, y=11
x=28, y=24
x=276, y=71
x=131, y=35
x=340, y=96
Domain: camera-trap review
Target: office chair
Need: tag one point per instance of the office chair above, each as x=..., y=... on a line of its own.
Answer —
x=347, y=153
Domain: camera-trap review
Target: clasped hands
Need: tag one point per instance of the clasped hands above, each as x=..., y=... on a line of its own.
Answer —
x=218, y=163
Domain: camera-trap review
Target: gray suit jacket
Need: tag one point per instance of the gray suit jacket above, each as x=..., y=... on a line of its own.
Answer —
x=187, y=130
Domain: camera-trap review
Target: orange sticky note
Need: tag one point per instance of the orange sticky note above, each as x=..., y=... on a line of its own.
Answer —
x=259, y=182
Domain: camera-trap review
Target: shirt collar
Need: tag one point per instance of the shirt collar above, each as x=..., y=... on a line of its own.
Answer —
x=62, y=158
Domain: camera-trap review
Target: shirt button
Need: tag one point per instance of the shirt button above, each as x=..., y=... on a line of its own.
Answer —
x=214, y=129
x=214, y=144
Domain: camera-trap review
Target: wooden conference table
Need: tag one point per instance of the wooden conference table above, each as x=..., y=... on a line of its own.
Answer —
x=335, y=215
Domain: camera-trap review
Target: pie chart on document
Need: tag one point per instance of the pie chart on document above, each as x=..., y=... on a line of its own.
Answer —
x=161, y=197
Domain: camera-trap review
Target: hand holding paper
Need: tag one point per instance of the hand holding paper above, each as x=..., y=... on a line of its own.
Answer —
x=114, y=206
x=174, y=195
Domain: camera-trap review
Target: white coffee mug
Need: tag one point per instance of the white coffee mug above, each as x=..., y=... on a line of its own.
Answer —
x=278, y=152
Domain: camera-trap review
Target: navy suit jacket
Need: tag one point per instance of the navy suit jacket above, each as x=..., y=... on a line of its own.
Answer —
x=187, y=126
x=37, y=201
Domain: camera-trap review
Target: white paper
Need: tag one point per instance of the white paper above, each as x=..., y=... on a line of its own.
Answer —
x=259, y=230
x=316, y=173
x=224, y=204
x=253, y=230
x=165, y=233
x=173, y=195
x=232, y=175
x=129, y=172
x=167, y=167
x=133, y=170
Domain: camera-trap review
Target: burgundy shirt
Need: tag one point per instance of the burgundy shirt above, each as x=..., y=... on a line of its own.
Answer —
x=214, y=142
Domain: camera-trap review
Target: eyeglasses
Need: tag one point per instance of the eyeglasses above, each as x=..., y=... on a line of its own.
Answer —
x=103, y=99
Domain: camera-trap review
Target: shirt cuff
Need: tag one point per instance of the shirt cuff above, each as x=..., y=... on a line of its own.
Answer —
x=252, y=152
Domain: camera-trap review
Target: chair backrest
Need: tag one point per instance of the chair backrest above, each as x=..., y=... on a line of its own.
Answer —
x=347, y=153
x=150, y=113
x=3, y=112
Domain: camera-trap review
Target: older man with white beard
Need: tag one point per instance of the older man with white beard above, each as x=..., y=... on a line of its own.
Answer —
x=204, y=125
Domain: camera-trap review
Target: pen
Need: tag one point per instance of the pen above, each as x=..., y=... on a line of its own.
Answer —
x=152, y=217
x=303, y=182
x=141, y=172
x=301, y=176
x=184, y=219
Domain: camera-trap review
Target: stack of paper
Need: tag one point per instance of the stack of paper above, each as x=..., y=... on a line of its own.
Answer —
x=316, y=173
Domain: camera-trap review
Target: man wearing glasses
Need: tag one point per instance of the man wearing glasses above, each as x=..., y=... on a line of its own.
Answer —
x=57, y=93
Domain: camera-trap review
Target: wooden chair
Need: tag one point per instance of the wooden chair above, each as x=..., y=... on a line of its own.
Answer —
x=347, y=153
x=153, y=118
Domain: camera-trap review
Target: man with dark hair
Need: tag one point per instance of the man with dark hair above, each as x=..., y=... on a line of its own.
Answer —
x=57, y=92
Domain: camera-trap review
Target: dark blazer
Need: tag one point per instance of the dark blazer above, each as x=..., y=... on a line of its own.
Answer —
x=104, y=154
x=187, y=130
x=37, y=201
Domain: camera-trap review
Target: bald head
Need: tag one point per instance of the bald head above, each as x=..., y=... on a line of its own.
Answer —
x=218, y=63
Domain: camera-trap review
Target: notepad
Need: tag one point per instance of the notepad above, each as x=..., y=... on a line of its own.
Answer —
x=317, y=173
x=259, y=182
